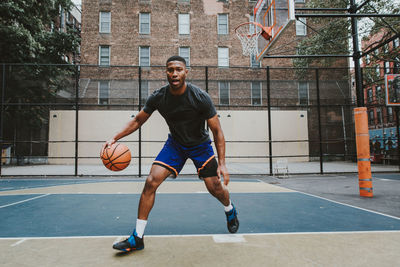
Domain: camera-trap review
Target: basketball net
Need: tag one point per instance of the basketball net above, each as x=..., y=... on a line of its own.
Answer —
x=248, y=39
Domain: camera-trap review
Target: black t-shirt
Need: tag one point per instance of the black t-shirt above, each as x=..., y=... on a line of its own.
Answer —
x=185, y=114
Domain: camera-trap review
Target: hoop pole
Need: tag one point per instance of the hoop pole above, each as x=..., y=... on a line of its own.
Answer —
x=363, y=155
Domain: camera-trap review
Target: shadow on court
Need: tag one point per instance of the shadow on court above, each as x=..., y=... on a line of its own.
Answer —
x=70, y=222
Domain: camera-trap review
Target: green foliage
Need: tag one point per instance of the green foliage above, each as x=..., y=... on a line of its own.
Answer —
x=331, y=35
x=27, y=38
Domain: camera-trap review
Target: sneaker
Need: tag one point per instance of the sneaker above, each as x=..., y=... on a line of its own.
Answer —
x=132, y=243
x=232, y=220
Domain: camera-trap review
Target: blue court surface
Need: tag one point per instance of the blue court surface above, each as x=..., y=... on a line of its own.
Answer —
x=72, y=222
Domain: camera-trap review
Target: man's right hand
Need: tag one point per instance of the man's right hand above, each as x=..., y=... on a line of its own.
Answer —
x=108, y=144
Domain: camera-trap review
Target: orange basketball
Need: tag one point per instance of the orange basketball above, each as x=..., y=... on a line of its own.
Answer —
x=116, y=157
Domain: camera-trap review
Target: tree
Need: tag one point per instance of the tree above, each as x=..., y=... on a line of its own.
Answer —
x=28, y=38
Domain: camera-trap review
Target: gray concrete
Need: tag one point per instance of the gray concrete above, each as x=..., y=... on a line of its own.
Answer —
x=344, y=189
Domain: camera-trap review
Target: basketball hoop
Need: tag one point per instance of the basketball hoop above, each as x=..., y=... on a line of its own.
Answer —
x=249, y=39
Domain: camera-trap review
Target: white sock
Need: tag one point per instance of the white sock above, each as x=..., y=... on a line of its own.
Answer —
x=229, y=207
x=140, y=226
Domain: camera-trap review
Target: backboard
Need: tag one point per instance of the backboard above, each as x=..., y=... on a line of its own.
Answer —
x=392, y=89
x=276, y=14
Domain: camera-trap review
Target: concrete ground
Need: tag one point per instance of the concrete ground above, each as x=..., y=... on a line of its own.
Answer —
x=309, y=220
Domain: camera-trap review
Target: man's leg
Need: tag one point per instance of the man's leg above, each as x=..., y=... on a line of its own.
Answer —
x=220, y=192
x=157, y=175
x=217, y=189
x=135, y=242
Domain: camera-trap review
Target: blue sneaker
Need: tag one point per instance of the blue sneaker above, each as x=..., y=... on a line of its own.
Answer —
x=232, y=220
x=132, y=243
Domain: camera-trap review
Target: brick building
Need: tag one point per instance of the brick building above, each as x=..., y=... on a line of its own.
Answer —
x=120, y=35
x=381, y=118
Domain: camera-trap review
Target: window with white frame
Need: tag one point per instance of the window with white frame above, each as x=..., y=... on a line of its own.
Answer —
x=104, y=55
x=184, y=24
x=369, y=96
x=387, y=67
x=144, y=23
x=378, y=70
x=222, y=21
x=378, y=93
x=144, y=56
x=223, y=93
x=105, y=22
x=303, y=93
x=301, y=28
x=144, y=91
x=367, y=59
x=104, y=92
x=396, y=42
x=185, y=53
x=223, y=57
x=256, y=93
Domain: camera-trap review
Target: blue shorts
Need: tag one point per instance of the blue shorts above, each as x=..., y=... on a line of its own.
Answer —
x=173, y=157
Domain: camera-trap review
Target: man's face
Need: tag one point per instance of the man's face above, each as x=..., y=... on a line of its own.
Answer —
x=176, y=74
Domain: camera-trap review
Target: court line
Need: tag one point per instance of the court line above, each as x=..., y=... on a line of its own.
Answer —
x=22, y=201
x=18, y=242
x=207, y=235
x=351, y=206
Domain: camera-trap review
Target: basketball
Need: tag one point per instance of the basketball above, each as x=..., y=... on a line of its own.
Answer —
x=116, y=157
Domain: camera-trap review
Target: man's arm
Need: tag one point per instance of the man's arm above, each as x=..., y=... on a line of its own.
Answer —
x=219, y=141
x=130, y=127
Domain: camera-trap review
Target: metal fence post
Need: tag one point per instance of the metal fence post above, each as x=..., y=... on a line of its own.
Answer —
x=140, y=129
x=269, y=120
x=76, y=118
x=398, y=136
x=321, y=164
x=3, y=89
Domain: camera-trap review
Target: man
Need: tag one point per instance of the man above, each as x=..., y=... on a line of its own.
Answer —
x=185, y=109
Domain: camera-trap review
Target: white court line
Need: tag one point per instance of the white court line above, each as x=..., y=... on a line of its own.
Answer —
x=344, y=204
x=18, y=242
x=206, y=235
x=22, y=201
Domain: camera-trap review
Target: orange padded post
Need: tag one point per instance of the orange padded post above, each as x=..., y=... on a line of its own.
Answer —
x=363, y=156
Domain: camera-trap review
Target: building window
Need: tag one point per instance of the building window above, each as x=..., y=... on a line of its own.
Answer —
x=371, y=117
x=144, y=56
x=367, y=59
x=301, y=29
x=396, y=42
x=223, y=57
x=184, y=24
x=299, y=1
x=144, y=90
x=303, y=93
x=254, y=63
x=104, y=92
x=105, y=22
x=396, y=66
x=386, y=48
x=378, y=70
x=222, y=22
x=144, y=23
x=104, y=55
x=390, y=114
x=256, y=93
x=378, y=93
x=223, y=93
x=387, y=67
x=185, y=53
x=379, y=115
x=369, y=95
